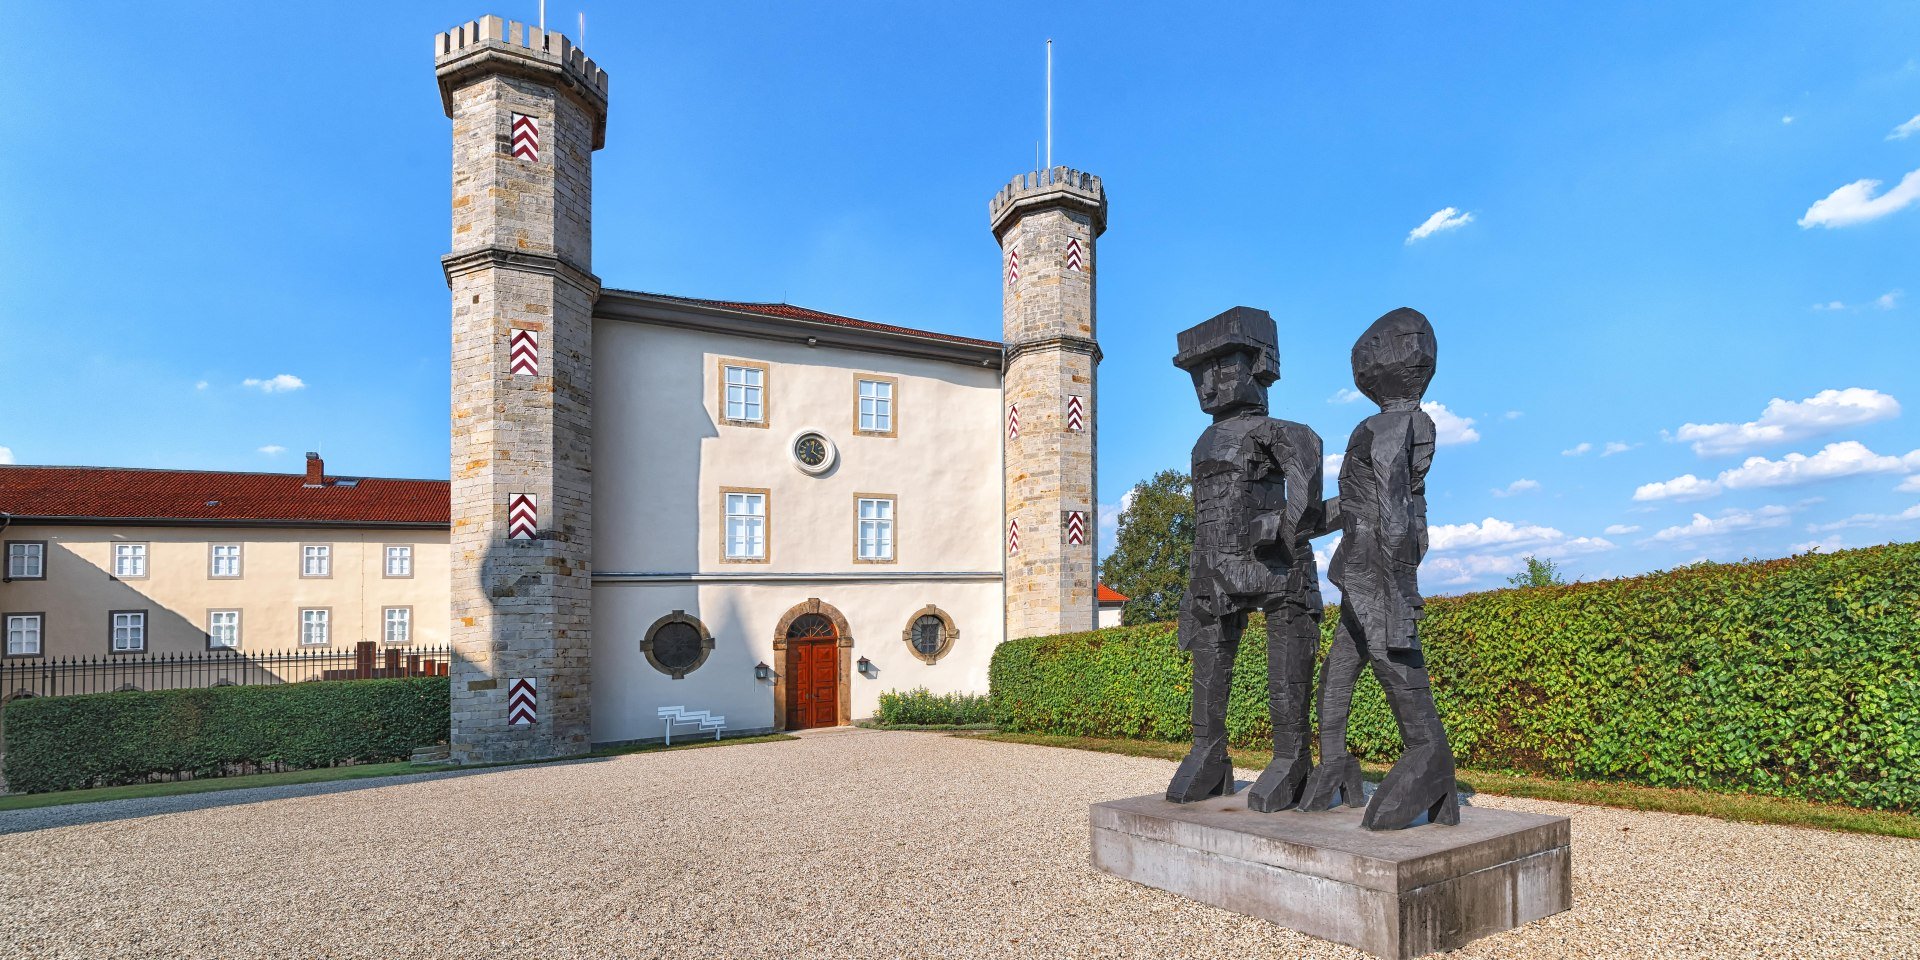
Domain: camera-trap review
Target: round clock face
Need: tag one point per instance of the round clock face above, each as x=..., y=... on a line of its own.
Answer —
x=811, y=450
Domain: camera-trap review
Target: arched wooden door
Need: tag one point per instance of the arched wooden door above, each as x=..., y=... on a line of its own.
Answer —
x=813, y=672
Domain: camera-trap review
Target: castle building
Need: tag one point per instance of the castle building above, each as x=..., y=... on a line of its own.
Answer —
x=759, y=511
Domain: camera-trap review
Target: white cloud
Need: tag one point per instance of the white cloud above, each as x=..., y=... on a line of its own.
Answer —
x=1585, y=545
x=1346, y=395
x=1788, y=119
x=1889, y=300
x=282, y=383
x=1867, y=520
x=1824, y=545
x=1844, y=459
x=1831, y=305
x=1490, y=532
x=202, y=385
x=1910, y=484
x=1522, y=485
x=1450, y=427
x=1729, y=521
x=1905, y=130
x=1577, y=449
x=1615, y=446
x=1683, y=487
x=1622, y=529
x=1445, y=219
x=1787, y=420
x=1513, y=415
x=6, y=455
x=1109, y=513
x=273, y=449
x=1330, y=464
x=1456, y=571
x=1855, y=203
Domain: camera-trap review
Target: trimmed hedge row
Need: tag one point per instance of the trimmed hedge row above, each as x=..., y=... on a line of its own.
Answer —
x=104, y=739
x=1797, y=677
x=920, y=706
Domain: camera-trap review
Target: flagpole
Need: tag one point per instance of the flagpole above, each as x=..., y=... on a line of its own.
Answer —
x=1049, y=103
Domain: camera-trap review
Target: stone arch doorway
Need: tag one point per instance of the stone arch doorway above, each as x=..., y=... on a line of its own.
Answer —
x=814, y=649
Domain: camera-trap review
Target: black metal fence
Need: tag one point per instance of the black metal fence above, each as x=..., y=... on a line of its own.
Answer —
x=60, y=676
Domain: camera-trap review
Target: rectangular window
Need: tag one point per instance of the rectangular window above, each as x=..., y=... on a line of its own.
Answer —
x=129, y=631
x=398, y=624
x=746, y=526
x=399, y=561
x=316, y=627
x=223, y=561
x=27, y=560
x=875, y=407
x=743, y=392
x=24, y=633
x=316, y=560
x=223, y=629
x=875, y=536
x=129, y=561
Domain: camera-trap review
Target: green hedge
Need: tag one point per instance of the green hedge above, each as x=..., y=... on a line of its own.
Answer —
x=104, y=739
x=921, y=707
x=1796, y=678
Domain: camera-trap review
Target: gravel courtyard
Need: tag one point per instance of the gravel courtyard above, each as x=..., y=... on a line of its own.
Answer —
x=847, y=843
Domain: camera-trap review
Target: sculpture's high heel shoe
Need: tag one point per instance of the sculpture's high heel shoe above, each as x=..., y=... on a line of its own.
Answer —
x=1335, y=782
x=1201, y=776
x=1421, y=783
x=1280, y=786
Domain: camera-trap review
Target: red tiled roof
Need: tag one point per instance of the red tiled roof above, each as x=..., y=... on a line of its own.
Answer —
x=121, y=493
x=788, y=311
x=1106, y=594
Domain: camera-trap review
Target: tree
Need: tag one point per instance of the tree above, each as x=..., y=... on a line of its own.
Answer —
x=1152, y=548
x=1540, y=572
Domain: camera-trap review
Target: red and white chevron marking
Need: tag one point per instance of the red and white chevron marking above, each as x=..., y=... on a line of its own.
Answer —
x=523, y=353
x=522, y=703
x=1013, y=536
x=523, y=516
x=1013, y=265
x=1076, y=414
x=1076, y=527
x=1074, y=259
x=526, y=138
x=1013, y=421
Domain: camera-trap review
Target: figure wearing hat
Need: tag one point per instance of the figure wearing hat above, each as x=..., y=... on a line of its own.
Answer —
x=1257, y=501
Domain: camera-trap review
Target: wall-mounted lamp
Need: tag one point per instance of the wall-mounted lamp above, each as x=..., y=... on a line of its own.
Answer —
x=762, y=672
x=865, y=667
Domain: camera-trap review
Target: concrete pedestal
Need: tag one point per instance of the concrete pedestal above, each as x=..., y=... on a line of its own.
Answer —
x=1394, y=894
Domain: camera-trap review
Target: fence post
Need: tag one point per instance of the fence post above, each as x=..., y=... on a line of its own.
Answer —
x=363, y=660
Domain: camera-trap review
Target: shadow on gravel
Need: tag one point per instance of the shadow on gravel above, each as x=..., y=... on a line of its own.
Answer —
x=107, y=811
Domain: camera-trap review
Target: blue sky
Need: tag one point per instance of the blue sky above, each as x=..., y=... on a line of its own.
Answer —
x=1657, y=221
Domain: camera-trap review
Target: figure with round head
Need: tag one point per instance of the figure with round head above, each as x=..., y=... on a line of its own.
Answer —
x=1256, y=491
x=1381, y=512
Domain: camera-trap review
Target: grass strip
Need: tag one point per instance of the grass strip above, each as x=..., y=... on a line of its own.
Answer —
x=1738, y=807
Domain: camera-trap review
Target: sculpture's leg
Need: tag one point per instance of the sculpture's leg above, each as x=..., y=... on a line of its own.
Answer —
x=1422, y=780
x=1292, y=639
x=1207, y=771
x=1337, y=779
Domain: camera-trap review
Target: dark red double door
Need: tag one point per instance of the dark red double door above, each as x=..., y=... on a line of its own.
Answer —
x=813, y=673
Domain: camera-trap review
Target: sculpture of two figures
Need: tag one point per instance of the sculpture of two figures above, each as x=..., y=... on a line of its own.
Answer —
x=1257, y=496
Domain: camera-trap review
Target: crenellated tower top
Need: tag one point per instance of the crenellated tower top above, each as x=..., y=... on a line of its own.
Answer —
x=495, y=45
x=1057, y=186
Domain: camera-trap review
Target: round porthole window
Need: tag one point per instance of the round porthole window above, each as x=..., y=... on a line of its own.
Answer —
x=812, y=452
x=930, y=634
x=677, y=644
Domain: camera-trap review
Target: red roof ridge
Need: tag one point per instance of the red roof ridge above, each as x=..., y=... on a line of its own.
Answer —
x=162, y=494
x=1106, y=594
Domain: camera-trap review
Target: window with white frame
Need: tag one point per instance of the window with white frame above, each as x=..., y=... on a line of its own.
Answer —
x=876, y=528
x=746, y=526
x=129, y=631
x=24, y=632
x=398, y=625
x=316, y=627
x=746, y=393
x=223, y=561
x=316, y=560
x=223, y=629
x=27, y=560
x=399, y=560
x=876, y=406
x=129, y=560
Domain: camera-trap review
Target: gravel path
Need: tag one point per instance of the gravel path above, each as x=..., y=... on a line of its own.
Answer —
x=843, y=844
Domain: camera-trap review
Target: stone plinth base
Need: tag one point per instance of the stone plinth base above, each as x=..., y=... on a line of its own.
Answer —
x=1394, y=894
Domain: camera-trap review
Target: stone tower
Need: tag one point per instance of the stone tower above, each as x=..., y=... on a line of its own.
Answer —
x=528, y=111
x=1047, y=223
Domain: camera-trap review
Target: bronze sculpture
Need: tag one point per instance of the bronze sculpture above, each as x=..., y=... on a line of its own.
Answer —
x=1256, y=485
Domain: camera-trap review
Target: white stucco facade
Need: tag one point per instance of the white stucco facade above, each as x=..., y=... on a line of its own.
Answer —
x=664, y=453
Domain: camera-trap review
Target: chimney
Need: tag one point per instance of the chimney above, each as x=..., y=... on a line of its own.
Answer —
x=316, y=471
